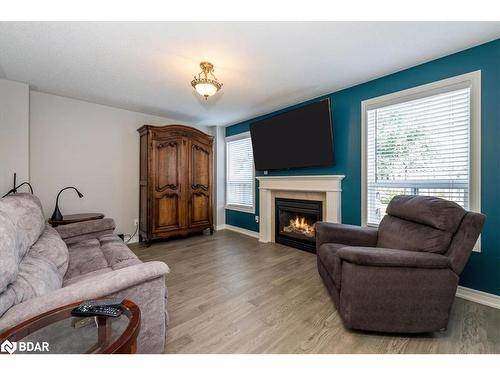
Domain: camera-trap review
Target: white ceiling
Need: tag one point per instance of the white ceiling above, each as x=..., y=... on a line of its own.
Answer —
x=148, y=67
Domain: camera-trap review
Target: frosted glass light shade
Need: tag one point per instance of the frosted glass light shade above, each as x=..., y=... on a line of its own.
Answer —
x=206, y=89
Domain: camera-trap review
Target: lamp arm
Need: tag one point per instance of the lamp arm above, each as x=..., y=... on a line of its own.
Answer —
x=10, y=191
x=68, y=187
x=25, y=183
x=14, y=189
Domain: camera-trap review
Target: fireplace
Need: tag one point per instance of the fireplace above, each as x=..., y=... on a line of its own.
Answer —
x=295, y=221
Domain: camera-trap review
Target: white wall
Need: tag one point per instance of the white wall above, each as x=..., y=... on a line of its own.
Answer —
x=14, y=133
x=220, y=176
x=90, y=146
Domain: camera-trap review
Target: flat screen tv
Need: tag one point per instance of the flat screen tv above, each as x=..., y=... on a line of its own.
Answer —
x=299, y=138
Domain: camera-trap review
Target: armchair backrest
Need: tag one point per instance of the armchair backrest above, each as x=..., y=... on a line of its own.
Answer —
x=422, y=223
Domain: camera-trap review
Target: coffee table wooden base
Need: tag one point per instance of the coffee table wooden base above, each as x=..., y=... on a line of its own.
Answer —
x=124, y=343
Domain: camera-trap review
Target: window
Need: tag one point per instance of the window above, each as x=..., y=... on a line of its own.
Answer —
x=240, y=177
x=422, y=141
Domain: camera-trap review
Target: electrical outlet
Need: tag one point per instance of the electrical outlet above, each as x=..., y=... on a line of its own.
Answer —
x=256, y=219
x=265, y=173
x=136, y=222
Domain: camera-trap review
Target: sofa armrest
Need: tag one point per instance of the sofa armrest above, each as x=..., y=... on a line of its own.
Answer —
x=382, y=257
x=351, y=235
x=76, y=232
x=99, y=286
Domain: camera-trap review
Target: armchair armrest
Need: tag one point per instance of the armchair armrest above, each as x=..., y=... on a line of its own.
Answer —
x=382, y=257
x=350, y=235
x=106, y=284
x=76, y=232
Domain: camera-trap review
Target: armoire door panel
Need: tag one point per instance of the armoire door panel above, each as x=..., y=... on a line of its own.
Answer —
x=167, y=162
x=200, y=194
x=200, y=209
x=200, y=161
x=166, y=213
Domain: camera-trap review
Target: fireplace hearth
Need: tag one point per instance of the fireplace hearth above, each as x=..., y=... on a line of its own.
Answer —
x=295, y=222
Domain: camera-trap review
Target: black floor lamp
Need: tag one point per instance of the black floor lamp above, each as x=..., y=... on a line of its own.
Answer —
x=57, y=216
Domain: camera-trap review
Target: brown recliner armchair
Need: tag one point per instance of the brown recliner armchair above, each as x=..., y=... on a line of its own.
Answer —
x=402, y=277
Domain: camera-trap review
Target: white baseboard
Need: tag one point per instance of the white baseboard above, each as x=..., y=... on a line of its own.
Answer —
x=246, y=232
x=477, y=296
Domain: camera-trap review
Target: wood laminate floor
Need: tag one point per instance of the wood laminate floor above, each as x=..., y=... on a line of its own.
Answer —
x=228, y=293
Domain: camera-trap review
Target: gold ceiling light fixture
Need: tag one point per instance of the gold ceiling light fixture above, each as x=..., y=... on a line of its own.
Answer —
x=205, y=83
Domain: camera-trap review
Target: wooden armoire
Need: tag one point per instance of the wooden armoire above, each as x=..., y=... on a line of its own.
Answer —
x=176, y=181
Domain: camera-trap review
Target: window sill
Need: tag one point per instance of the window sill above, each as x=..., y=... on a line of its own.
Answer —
x=249, y=210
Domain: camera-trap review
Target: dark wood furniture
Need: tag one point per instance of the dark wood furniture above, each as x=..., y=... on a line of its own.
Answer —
x=105, y=336
x=176, y=181
x=75, y=218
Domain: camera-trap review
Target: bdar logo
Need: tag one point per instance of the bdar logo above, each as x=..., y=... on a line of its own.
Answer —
x=8, y=347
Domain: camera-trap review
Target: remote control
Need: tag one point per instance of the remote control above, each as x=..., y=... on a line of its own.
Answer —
x=113, y=302
x=88, y=310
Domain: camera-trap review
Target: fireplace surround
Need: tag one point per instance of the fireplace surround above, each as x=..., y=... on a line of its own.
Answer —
x=325, y=188
x=295, y=221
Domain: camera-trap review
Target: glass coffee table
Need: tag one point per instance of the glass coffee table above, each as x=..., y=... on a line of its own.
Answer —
x=59, y=332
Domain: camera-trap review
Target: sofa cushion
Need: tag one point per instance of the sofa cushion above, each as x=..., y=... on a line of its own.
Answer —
x=85, y=230
x=116, y=252
x=431, y=211
x=21, y=224
x=103, y=254
x=51, y=246
x=328, y=256
x=85, y=257
x=37, y=276
x=85, y=276
x=396, y=233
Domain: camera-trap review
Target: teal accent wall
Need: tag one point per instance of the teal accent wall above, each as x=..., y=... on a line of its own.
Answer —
x=483, y=270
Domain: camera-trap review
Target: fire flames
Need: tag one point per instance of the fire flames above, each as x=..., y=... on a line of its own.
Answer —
x=299, y=225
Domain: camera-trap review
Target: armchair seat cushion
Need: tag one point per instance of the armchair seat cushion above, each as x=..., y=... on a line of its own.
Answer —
x=328, y=256
x=382, y=257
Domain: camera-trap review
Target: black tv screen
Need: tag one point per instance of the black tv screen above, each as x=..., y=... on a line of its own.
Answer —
x=295, y=139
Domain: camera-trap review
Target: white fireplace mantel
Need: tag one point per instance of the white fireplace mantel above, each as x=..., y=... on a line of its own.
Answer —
x=269, y=186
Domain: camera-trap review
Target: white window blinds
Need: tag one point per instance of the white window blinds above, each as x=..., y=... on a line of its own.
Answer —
x=240, y=174
x=418, y=147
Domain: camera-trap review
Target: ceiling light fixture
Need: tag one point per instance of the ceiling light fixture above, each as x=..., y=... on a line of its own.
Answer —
x=205, y=83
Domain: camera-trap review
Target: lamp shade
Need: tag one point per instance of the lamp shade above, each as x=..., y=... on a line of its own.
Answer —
x=205, y=89
x=206, y=84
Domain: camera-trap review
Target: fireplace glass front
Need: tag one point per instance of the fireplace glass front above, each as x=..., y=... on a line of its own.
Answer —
x=295, y=222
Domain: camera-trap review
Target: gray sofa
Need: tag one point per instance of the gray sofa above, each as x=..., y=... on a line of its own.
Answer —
x=402, y=277
x=42, y=268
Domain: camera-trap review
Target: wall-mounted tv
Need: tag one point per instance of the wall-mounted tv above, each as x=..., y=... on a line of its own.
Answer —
x=299, y=138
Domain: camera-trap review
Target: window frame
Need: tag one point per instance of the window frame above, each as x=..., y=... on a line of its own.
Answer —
x=470, y=80
x=237, y=207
